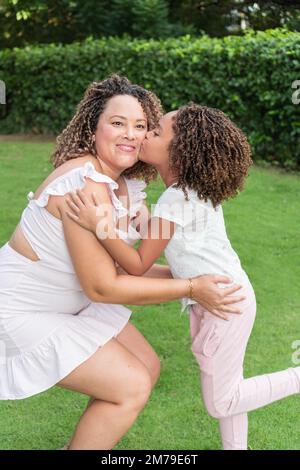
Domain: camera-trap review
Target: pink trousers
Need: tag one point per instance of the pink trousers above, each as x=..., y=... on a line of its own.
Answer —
x=219, y=347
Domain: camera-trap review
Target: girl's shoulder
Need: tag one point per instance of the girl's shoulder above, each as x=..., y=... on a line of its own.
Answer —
x=176, y=197
x=171, y=194
x=175, y=207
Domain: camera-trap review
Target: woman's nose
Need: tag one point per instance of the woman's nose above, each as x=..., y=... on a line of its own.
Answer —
x=129, y=133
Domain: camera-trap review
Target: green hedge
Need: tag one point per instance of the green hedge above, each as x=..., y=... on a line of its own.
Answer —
x=250, y=77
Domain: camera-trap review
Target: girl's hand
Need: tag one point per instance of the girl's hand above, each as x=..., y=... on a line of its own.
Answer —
x=84, y=211
x=215, y=299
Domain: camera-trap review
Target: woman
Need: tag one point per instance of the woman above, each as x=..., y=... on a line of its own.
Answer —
x=59, y=288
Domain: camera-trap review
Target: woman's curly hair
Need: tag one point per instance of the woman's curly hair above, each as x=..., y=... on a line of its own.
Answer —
x=208, y=153
x=76, y=139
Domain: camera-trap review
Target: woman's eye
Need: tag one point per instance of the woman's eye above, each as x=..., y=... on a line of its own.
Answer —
x=141, y=126
x=117, y=123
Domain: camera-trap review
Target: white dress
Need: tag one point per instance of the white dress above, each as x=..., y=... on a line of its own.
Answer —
x=48, y=326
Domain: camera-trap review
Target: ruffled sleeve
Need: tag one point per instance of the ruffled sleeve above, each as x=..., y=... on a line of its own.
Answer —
x=75, y=179
x=136, y=195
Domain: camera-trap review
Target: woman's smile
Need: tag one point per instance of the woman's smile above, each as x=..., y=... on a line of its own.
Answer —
x=126, y=148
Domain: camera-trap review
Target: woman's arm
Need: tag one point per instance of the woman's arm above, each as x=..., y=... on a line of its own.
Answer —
x=97, y=274
x=85, y=215
x=96, y=269
x=134, y=261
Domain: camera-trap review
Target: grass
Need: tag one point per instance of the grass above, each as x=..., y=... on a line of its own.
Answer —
x=264, y=227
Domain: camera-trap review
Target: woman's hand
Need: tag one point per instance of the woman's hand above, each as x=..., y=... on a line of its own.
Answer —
x=84, y=211
x=215, y=299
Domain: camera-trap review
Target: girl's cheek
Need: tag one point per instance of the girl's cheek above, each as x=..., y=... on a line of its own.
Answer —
x=142, y=136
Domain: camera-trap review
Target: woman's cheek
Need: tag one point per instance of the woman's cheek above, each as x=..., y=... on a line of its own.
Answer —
x=110, y=133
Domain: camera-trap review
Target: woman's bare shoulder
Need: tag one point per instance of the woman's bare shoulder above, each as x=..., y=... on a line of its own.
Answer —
x=77, y=163
x=65, y=168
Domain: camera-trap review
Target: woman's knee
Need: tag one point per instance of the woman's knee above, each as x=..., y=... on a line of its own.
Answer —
x=138, y=389
x=112, y=374
x=134, y=341
x=154, y=371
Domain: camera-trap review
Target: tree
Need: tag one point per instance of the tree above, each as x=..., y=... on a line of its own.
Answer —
x=223, y=17
x=35, y=21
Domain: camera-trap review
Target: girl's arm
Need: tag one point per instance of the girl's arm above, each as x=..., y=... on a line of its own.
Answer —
x=96, y=269
x=138, y=261
x=97, y=274
x=156, y=270
x=135, y=262
x=159, y=270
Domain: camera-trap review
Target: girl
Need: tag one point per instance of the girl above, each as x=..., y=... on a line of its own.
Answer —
x=203, y=159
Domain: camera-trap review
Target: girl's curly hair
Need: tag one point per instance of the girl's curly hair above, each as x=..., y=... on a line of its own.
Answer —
x=208, y=153
x=76, y=139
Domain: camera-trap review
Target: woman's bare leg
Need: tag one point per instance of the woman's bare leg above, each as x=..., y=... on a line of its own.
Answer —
x=134, y=341
x=120, y=384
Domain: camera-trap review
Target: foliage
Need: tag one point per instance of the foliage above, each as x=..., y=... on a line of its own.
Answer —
x=250, y=77
x=24, y=22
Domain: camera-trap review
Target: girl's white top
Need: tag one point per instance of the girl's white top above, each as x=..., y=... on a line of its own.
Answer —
x=200, y=244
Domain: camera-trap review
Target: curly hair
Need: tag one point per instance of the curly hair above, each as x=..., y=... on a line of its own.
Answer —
x=76, y=139
x=209, y=153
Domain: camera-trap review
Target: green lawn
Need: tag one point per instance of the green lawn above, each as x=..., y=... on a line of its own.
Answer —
x=264, y=227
